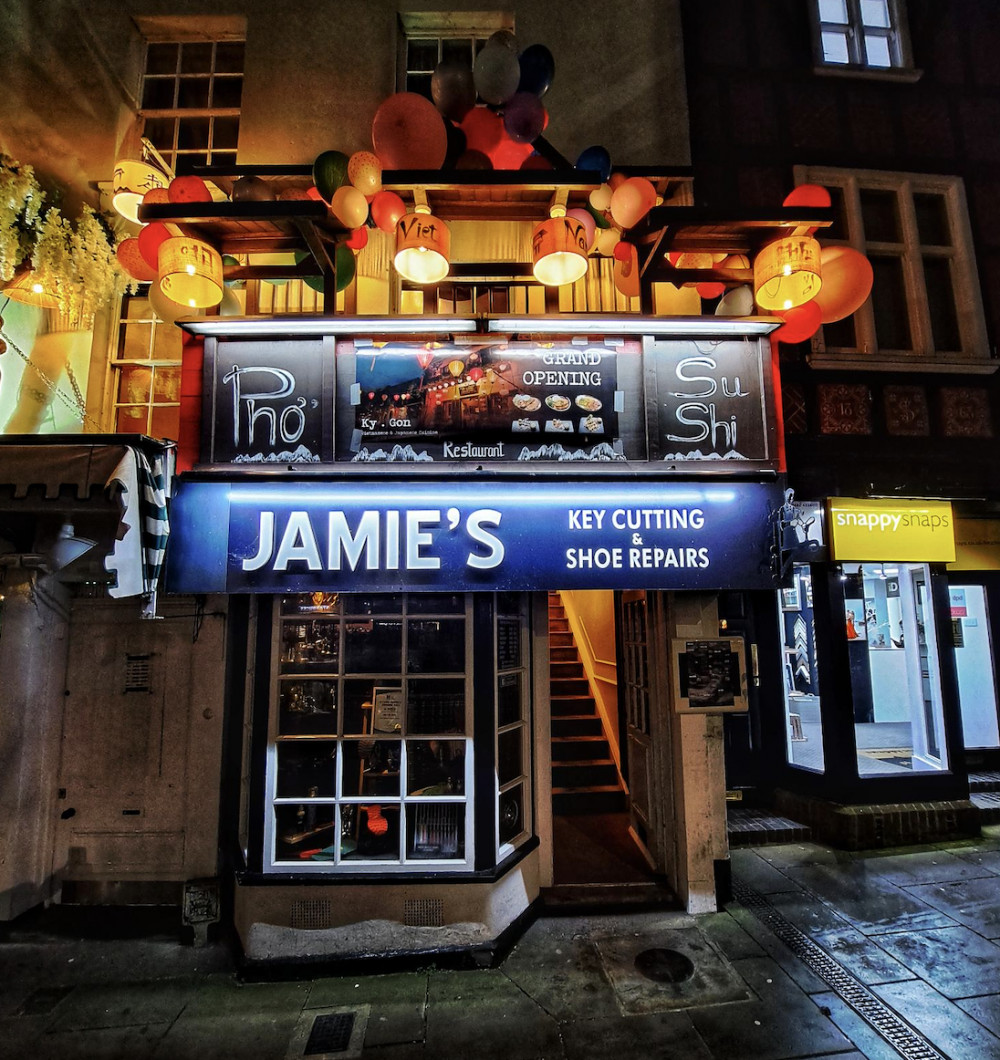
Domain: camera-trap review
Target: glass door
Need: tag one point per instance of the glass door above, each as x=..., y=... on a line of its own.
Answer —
x=977, y=690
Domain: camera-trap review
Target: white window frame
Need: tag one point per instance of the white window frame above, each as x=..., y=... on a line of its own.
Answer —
x=896, y=35
x=974, y=354
x=442, y=26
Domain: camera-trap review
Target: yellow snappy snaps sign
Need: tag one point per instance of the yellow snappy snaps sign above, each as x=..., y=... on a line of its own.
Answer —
x=920, y=531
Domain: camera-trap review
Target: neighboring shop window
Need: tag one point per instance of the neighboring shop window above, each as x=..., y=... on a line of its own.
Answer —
x=925, y=301
x=870, y=34
x=513, y=750
x=977, y=690
x=146, y=372
x=800, y=672
x=370, y=760
x=895, y=680
x=191, y=96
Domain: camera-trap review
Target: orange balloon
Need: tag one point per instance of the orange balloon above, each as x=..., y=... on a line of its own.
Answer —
x=800, y=323
x=156, y=195
x=508, y=154
x=387, y=208
x=409, y=133
x=708, y=291
x=626, y=273
x=188, y=189
x=808, y=195
x=131, y=260
x=631, y=201
x=847, y=282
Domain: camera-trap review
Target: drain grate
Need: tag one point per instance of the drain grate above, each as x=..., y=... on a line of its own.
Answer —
x=873, y=1010
x=330, y=1034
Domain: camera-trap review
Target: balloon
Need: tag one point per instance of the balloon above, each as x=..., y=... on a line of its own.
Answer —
x=483, y=130
x=188, y=189
x=131, y=260
x=504, y=37
x=600, y=198
x=387, y=208
x=230, y=306
x=586, y=218
x=228, y=259
x=808, y=195
x=536, y=161
x=150, y=239
x=524, y=117
x=800, y=323
x=622, y=251
x=474, y=160
x=166, y=309
x=615, y=179
x=708, y=291
x=294, y=194
x=607, y=239
x=537, y=69
x=329, y=172
x=626, y=270
x=313, y=193
x=597, y=160
x=358, y=239
x=600, y=219
x=364, y=171
x=252, y=189
x=349, y=206
x=496, y=72
x=847, y=282
x=457, y=145
x=632, y=200
x=409, y=133
x=156, y=195
x=735, y=261
x=315, y=282
x=509, y=155
x=452, y=89
x=737, y=302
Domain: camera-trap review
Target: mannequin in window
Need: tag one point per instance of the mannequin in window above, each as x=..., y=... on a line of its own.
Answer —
x=852, y=633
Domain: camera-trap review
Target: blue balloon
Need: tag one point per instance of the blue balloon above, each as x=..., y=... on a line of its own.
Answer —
x=597, y=160
x=537, y=69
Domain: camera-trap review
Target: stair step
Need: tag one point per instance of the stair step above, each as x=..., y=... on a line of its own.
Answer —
x=601, y=798
x=567, y=653
x=561, y=640
x=566, y=668
x=563, y=705
x=574, y=748
x=577, y=725
x=584, y=774
x=569, y=686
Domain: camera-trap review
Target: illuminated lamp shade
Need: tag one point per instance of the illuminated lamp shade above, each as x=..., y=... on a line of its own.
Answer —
x=132, y=179
x=559, y=249
x=190, y=272
x=423, y=243
x=786, y=273
x=26, y=289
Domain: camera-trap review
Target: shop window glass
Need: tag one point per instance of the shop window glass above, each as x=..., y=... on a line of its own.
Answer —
x=895, y=679
x=977, y=691
x=513, y=782
x=800, y=673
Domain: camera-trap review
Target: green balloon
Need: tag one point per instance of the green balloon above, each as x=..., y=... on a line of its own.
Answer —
x=345, y=265
x=329, y=172
x=599, y=218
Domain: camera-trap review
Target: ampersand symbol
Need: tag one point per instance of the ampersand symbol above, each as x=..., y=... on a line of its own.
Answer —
x=636, y=539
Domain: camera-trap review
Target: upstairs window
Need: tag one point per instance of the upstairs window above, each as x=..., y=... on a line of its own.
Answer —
x=432, y=37
x=191, y=96
x=863, y=35
x=925, y=306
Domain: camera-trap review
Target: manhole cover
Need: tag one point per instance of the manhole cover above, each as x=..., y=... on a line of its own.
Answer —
x=330, y=1034
x=664, y=966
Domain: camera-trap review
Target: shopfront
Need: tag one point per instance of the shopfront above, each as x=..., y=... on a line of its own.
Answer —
x=388, y=514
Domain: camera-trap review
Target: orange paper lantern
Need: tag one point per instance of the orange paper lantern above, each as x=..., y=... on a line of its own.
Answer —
x=190, y=272
x=787, y=273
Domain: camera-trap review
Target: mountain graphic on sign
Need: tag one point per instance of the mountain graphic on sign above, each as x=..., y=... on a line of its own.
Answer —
x=302, y=455
x=697, y=454
x=602, y=452
x=398, y=454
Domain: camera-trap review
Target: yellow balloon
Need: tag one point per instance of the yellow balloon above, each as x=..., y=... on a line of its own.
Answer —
x=349, y=206
x=364, y=171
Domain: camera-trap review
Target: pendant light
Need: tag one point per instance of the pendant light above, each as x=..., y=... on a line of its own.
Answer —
x=786, y=273
x=559, y=249
x=423, y=243
x=190, y=272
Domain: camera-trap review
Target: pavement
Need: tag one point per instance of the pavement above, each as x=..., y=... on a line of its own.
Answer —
x=822, y=953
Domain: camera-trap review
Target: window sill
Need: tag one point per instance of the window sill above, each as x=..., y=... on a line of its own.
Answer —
x=856, y=362
x=906, y=75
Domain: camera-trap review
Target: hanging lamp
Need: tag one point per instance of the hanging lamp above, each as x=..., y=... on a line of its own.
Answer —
x=26, y=288
x=190, y=272
x=559, y=249
x=423, y=244
x=787, y=273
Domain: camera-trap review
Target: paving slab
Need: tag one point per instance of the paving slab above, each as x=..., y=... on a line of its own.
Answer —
x=782, y=1022
x=505, y=1026
x=105, y=1043
x=985, y=1010
x=725, y=932
x=227, y=996
x=806, y=979
x=872, y=1045
x=206, y=1037
x=867, y=900
x=974, y=903
x=924, y=866
x=757, y=872
x=397, y=1002
x=942, y=1022
x=955, y=961
x=985, y=858
x=789, y=855
x=125, y=1004
x=659, y=1034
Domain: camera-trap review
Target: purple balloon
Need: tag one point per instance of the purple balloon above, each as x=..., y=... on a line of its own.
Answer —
x=523, y=117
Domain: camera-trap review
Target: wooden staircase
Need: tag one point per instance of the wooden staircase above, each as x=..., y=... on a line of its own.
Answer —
x=584, y=775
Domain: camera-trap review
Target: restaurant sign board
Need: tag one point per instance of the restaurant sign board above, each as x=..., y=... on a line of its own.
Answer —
x=364, y=536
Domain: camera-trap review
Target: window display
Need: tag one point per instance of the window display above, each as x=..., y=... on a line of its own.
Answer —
x=800, y=673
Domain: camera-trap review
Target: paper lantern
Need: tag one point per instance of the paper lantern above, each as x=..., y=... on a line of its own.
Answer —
x=26, y=289
x=786, y=273
x=559, y=250
x=456, y=367
x=190, y=272
x=131, y=260
x=132, y=179
x=423, y=244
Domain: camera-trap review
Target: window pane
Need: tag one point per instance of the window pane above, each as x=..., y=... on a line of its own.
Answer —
x=229, y=57
x=227, y=92
x=422, y=55
x=839, y=229
x=371, y=767
x=158, y=93
x=877, y=51
x=435, y=767
x=436, y=604
x=166, y=343
x=833, y=11
x=435, y=706
x=192, y=134
x=310, y=646
x=160, y=133
x=892, y=323
x=369, y=832
x=977, y=691
x=509, y=764
x=875, y=13
x=192, y=92
x=419, y=83
x=841, y=334
x=133, y=384
x=457, y=51
x=161, y=58
x=932, y=219
x=375, y=646
x=196, y=58
x=941, y=305
x=435, y=831
x=373, y=604
x=136, y=341
x=167, y=384
x=132, y=419
x=307, y=708
x=835, y=47
x=880, y=214
x=304, y=832
x=185, y=164
x=436, y=646
x=511, y=814
x=306, y=770
x=165, y=422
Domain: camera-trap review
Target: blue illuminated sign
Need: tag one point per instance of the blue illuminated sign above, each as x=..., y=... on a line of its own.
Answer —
x=482, y=535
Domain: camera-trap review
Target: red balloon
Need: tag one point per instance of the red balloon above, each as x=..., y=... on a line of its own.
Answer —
x=623, y=250
x=131, y=260
x=409, y=133
x=508, y=154
x=534, y=161
x=709, y=291
x=150, y=239
x=313, y=193
x=188, y=189
x=808, y=195
x=847, y=282
x=156, y=195
x=473, y=160
x=387, y=209
x=358, y=239
x=800, y=323
x=483, y=130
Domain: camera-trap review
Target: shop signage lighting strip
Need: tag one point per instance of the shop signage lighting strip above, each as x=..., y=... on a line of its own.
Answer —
x=614, y=325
